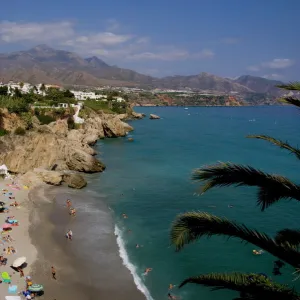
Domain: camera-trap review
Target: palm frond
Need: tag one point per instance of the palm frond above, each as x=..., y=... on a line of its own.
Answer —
x=190, y=226
x=250, y=286
x=289, y=236
x=272, y=188
x=291, y=86
x=279, y=143
x=291, y=101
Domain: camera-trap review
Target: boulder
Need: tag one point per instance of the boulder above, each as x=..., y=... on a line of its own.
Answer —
x=91, y=139
x=79, y=160
x=114, y=127
x=75, y=181
x=154, y=117
x=49, y=177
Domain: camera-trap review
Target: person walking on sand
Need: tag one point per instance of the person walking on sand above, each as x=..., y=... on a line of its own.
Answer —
x=69, y=235
x=53, y=271
x=69, y=204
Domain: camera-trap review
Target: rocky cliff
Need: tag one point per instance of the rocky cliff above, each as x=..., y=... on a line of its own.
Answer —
x=54, y=147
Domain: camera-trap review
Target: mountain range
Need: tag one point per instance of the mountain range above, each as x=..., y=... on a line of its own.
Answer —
x=45, y=64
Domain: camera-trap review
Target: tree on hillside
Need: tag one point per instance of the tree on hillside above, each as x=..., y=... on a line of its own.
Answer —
x=109, y=101
x=68, y=94
x=3, y=90
x=21, y=84
x=43, y=88
x=17, y=93
x=191, y=226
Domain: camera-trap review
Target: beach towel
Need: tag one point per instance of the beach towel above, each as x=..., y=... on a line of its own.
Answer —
x=12, y=289
x=5, y=276
x=12, y=298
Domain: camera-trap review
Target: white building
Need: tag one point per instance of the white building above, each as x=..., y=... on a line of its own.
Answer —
x=79, y=95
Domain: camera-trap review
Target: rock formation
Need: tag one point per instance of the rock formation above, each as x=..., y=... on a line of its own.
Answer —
x=154, y=117
x=55, y=147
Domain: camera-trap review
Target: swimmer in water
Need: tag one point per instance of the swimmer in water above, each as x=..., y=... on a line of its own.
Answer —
x=137, y=246
x=230, y=206
x=172, y=297
x=147, y=271
x=171, y=286
x=124, y=216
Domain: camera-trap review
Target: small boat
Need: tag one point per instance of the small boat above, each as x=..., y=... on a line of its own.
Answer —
x=185, y=108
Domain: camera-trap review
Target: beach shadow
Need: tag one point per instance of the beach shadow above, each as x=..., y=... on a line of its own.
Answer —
x=22, y=267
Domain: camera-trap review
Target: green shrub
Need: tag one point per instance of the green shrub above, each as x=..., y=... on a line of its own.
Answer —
x=14, y=104
x=45, y=120
x=3, y=132
x=71, y=122
x=20, y=131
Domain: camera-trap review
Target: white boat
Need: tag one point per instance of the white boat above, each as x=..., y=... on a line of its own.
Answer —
x=185, y=108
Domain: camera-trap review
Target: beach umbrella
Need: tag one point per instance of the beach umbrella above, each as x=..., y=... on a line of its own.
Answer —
x=6, y=226
x=36, y=288
x=19, y=262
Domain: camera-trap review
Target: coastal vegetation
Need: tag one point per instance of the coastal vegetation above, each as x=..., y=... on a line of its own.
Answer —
x=191, y=226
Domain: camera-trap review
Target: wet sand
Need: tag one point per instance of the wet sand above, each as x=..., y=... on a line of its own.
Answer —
x=82, y=273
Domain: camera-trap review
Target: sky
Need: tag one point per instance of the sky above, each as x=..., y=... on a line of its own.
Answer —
x=227, y=38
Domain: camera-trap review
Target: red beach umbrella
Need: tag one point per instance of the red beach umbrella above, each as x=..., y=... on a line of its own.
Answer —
x=6, y=226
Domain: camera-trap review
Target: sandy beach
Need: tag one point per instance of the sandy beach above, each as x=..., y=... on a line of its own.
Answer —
x=89, y=267
x=20, y=234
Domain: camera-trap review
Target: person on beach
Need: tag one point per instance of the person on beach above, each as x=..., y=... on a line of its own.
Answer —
x=147, y=271
x=172, y=297
x=14, y=204
x=53, y=271
x=72, y=211
x=69, y=235
x=69, y=203
x=20, y=270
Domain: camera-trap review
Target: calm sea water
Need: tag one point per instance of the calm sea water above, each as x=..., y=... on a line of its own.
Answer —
x=149, y=180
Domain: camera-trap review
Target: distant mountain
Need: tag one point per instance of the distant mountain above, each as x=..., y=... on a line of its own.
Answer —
x=45, y=64
x=260, y=84
x=203, y=81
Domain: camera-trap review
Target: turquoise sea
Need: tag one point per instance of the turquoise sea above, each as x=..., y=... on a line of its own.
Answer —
x=149, y=180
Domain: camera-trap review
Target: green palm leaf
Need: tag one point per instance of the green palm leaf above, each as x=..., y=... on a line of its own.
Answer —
x=292, y=86
x=272, y=188
x=190, y=226
x=289, y=236
x=251, y=286
x=290, y=100
x=281, y=144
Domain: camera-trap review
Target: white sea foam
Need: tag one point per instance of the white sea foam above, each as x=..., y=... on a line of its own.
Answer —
x=131, y=267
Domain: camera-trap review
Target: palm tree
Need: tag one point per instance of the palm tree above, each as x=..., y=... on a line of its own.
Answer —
x=191, y=226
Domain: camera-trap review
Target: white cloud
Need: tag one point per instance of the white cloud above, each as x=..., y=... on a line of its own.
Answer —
x=102, y=38
x=11, y=32
x=273, y=76
x=105, y=43
x=278, y=63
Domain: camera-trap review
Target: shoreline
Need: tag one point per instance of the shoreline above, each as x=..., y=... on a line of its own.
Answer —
x=81, y=274
x=20, y=235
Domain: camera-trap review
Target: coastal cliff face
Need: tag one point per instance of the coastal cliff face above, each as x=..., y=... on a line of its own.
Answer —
x=55, y=147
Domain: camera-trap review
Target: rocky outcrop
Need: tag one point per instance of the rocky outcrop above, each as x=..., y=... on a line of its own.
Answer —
x=39, y=176
x=9, y=121
x=54, y=147
x=153, y=117
x=75, y=181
